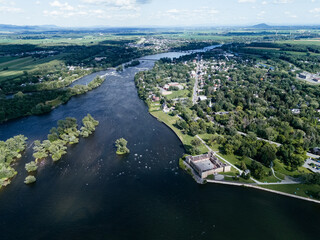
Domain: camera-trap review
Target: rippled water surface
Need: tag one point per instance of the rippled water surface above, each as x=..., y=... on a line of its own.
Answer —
x=91, y=193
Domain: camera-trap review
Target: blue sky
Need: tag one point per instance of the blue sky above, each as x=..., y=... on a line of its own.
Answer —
x=75, y=13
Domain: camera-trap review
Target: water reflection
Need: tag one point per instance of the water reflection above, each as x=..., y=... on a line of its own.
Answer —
x=92, y=193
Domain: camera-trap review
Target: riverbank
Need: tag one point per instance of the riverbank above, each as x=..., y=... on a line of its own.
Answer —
x=265, y=188
x=90, y=186
x=300, y=191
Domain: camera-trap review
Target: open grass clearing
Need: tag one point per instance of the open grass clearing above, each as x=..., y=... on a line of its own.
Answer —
x=303, y=190
x=171, y=121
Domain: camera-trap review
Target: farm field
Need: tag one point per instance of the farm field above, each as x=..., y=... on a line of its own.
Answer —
x=16, y=66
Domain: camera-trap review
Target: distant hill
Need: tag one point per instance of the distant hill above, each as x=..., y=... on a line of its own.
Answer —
x=262, y=26
x=16, y=28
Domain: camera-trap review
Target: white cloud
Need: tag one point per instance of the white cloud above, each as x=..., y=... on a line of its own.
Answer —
x=289, y=14
x=246, y=1
x=282, y=1
x=184, y=15
x=315, y=10
x=264, y=3
x=63, y=6
x=8, y=9
x=56, y=4
x=173, y=11
x=56, y=13
x=117, y=4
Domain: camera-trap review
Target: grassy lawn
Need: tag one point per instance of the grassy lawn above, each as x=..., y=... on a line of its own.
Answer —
x=205, y=137
x=155, y=106
x=178, y=94
x=303, y=190
x=170, y=121
x=240, y=180
x=236, y=160
x=282, y=169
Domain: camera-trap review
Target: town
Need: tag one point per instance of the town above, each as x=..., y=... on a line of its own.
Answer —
x=201, y=98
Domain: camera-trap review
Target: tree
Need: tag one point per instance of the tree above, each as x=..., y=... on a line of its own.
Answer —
x=31, y=166
x=257, y=170
x=57, y=149
x=30, y=179
x=243, y=166
x=228, y=149
x=193, y=128
x=89, y=126
x=267, y=154
x=182, y=124
x=39, y=150
x=196, y=142
x=121, y=145
x=313, y=178
x=194, y=151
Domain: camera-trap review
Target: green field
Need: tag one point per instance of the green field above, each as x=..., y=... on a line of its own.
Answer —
x=281, y=168
x=178, y=94
x=16, y=66
x=303, y=190
x=302, y=42
x=170, y=122
x=50, y=40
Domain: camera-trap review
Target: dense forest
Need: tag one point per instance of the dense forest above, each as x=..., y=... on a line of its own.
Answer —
x=41, y=102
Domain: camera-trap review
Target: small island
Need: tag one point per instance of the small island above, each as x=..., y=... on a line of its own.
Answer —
x=10, y=151
x=30, y=179
x=31, y=166
x=121, y=145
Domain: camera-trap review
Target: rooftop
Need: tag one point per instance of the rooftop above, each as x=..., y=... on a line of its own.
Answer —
x=204, y=165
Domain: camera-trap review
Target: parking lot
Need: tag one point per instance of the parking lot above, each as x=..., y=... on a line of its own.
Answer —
x=313, y=165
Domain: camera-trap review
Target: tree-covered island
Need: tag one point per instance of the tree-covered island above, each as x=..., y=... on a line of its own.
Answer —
x=121, y=145
x=10, y=151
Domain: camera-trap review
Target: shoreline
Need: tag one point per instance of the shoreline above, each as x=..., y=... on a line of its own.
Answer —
x=263, y=189
x=257, y=187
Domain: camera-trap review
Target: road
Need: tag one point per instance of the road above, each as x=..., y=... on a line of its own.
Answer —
x=277, y=144
x=195, y=88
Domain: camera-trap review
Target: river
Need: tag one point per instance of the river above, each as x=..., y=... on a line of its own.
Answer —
x=91, y=193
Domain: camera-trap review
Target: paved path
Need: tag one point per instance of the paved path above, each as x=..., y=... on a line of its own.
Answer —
x=279, y=144
x=286, y=181
x=240, y=171
x=275, y=174
x=264, y=189
x=195, y=88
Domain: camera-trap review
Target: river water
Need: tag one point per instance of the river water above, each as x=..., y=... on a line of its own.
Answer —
x=91, y=193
